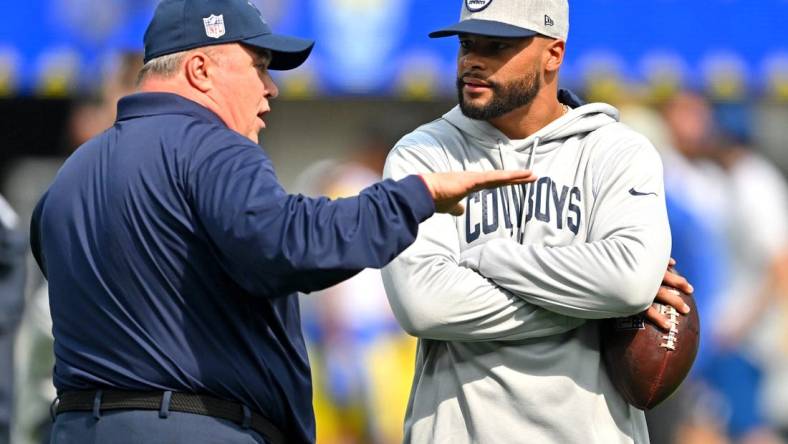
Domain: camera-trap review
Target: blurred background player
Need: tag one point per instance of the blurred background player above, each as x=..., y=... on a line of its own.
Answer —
x=749, y=211
x=362, y=360
x=12, y=297
x=695, y=198
x=728, y=215
x=750, y=320
x=26, y=181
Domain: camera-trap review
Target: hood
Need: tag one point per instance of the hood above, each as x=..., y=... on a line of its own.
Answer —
x=582, y=119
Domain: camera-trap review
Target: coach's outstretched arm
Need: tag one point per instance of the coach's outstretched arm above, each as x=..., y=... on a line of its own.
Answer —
x=433, y=297
x=252, y=220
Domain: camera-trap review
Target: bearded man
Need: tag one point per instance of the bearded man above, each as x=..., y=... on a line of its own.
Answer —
x=505, y=299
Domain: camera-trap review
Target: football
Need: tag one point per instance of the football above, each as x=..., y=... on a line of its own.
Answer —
x=646, y=363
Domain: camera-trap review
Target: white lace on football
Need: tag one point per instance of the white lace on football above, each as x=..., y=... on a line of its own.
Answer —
x=671, y=339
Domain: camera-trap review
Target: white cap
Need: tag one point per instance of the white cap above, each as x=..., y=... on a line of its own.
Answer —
x=511, y=18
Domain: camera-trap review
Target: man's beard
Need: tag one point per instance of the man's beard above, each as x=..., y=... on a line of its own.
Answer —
x=505, y=98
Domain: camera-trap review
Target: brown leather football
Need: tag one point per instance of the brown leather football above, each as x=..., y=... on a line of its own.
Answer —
x=646, y=363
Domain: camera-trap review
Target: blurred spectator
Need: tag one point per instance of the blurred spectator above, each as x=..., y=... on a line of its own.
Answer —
x=34, y=363
x=28, y=177
x=13, y=246
x=753, y=318
x=91, y=117
x=697, y=206
x=26, y=181
x=362, y=360
x=730, y=222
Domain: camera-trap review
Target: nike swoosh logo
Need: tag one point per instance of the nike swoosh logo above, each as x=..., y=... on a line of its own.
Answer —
x=633, y=192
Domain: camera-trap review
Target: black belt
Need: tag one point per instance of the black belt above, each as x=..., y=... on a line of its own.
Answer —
x=96, y=400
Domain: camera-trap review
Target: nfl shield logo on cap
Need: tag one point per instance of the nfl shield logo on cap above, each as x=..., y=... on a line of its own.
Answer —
x=214, y=25
x=180, y=25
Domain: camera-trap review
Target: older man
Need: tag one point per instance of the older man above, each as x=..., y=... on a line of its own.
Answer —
x=173, y=253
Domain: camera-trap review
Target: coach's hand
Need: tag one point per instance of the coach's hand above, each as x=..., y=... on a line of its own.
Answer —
x=448, y=189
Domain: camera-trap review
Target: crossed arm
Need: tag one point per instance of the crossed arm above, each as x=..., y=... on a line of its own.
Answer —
x=503, y=290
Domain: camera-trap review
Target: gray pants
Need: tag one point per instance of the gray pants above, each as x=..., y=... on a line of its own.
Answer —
x=146, y=426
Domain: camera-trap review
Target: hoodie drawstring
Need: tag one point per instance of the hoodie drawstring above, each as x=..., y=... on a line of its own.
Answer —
x=528, y=189
x=533, y=152
x=504, y=200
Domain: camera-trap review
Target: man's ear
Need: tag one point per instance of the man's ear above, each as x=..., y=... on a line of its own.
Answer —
x=198, y=68
x=554, y=54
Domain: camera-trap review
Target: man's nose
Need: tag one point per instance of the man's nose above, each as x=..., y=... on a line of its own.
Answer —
x=271, y=90
x=471, y=61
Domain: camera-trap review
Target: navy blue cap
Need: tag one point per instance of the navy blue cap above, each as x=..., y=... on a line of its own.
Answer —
x=179, y=25
x=488, y=28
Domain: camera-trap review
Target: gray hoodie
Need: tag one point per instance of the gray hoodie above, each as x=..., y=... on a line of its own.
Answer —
x=504, y=298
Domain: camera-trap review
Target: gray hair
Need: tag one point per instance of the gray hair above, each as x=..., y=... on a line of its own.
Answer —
x=169, y=64
x=165, y=66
